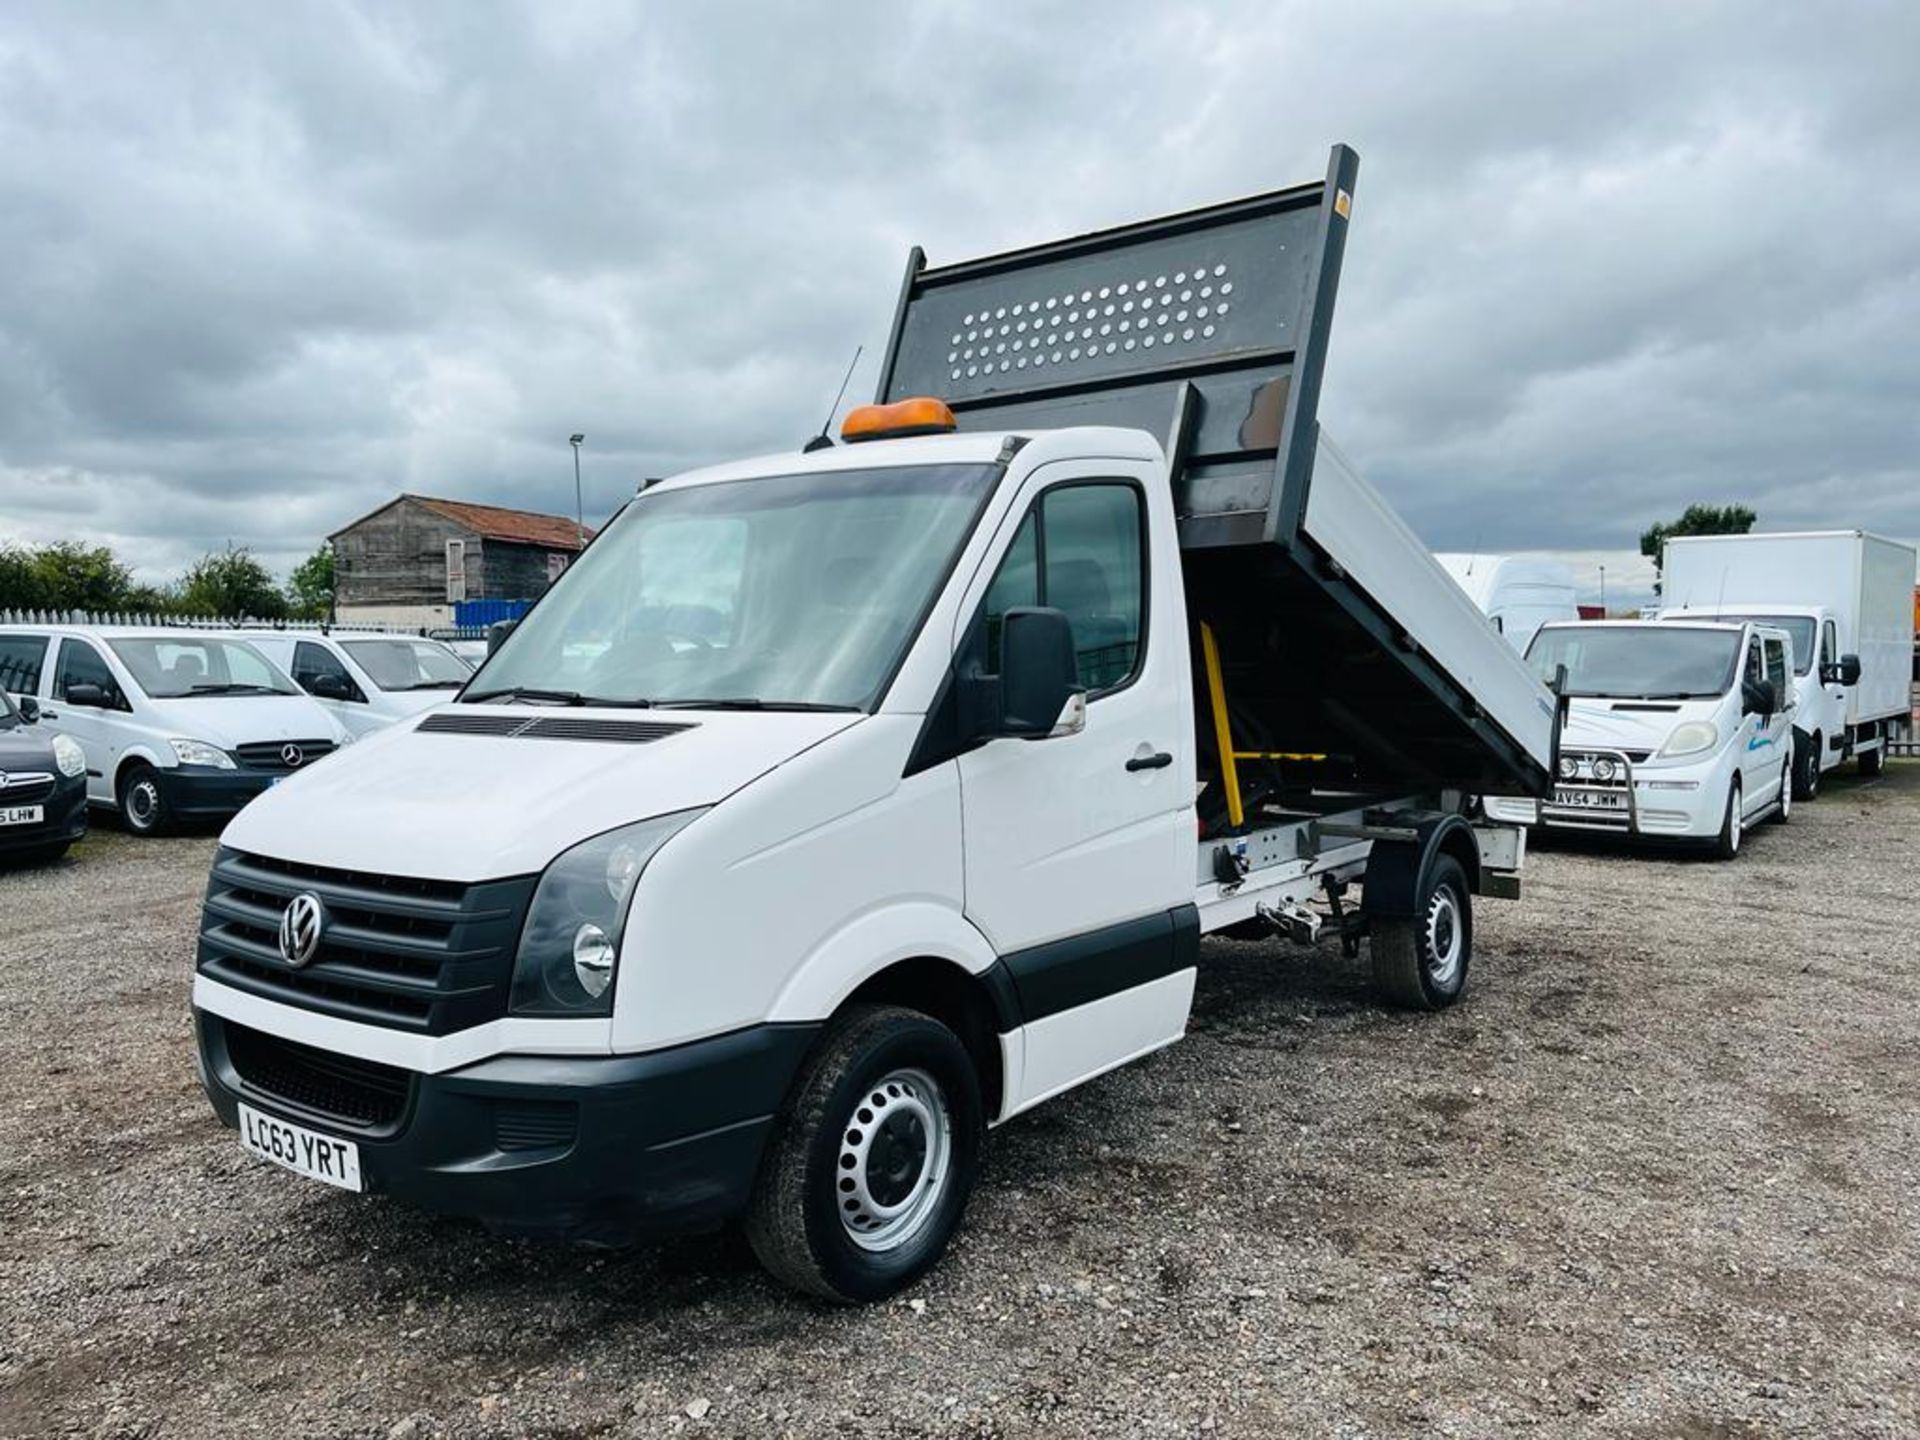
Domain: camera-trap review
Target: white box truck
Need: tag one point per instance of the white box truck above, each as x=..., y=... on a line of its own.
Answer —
x=839, y=804
x=1846, y=597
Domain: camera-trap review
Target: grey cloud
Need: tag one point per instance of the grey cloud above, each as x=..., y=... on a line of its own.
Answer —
x=268, y=266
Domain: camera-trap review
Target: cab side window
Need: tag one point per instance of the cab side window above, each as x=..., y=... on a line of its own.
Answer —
x=313, y=662
x=1780, y=672
x=1081, y=550
x=1829, y=644
x=80, y=664
x=21, y=657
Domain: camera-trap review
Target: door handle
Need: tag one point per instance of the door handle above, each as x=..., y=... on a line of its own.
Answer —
x=49, y=714
x=1159, y=760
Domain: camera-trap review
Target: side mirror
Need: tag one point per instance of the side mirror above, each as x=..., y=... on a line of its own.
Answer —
x=1845, y=672
x=1758, y=697
x=497, y=634
x=29, y=709
x=84, y=694
x=1040, y=690
x=330, y=687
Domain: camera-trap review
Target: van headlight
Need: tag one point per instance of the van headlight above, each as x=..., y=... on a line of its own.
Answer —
x=68, y=755
x=1690, y=739
x=199, y=752
x=571, y=942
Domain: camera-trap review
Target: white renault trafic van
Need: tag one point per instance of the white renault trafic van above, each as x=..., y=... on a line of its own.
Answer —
x=1675, y=730
x=365, y=681
x=174, y=723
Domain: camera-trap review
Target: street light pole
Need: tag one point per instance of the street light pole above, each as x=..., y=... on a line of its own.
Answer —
x=1603, y=592
x=579, y=509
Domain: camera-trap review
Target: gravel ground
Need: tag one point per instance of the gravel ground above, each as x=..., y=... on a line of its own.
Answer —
x=1656, y=1177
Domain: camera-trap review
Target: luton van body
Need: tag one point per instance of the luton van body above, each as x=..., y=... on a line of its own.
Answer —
x=1844, y=595
x=838, y=804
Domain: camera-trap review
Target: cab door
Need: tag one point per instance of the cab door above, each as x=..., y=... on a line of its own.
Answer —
x=322, y=674
x=1079, y=848
x=1766, y=739
x=1829, y=715
x=99, y=729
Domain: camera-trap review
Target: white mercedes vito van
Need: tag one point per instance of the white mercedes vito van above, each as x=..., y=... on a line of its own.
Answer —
x=174, y=723
x=365, y=681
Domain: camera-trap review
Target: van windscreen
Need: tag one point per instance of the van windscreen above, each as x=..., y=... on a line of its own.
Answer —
x=793, y=591
x=1637, y=662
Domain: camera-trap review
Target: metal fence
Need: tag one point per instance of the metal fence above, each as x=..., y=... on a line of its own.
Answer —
x=226, y=622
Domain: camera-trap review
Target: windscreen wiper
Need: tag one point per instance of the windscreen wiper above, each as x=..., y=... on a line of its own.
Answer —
x=236, y=688
x=437, y=685
x=752, y=702
x=527, y=692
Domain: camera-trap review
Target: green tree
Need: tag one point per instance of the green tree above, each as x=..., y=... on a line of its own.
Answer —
x=231, y=584
x=19, y=582
x=310, y=587
x=73, y=576
x=1694, y=520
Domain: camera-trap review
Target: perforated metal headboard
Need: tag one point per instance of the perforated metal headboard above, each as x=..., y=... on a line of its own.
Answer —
x=1207, y=329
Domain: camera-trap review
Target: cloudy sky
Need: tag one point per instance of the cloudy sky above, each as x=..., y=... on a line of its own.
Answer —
x=267, y=265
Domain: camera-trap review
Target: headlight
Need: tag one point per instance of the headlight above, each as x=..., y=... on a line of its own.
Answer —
x=1569, y=767
x=1690, y=739
x=68, y=755
x=571, y=941
x=199, y=752
x=1603, y=767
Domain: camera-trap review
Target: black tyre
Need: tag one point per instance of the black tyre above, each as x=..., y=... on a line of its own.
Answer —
x=1421, y=963
x=143, y=804
x=872, y=1158
x=1873, y=761
x=1732, y=826
x=1806, y=770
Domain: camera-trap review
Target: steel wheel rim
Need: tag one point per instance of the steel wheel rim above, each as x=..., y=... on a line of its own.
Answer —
x=1446, y=937
x=896, y=1152
x=1786, y=790
x=1733, y=817
x=143, y=803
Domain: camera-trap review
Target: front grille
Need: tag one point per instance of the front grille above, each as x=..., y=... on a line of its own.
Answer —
x=25, y=789
x=272, y=754
x=552, y=727
x=534, y=1124
x=430, y=956
x=342, y=1088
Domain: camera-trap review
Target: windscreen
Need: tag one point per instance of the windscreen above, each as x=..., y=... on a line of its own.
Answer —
x=1799, y=629
x=798, y=591
x=172, y=667
x=402, y=664
x=1639, y=662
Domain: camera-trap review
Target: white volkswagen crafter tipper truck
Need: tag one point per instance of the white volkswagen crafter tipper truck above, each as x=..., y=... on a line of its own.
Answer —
x=839, y=804
x=1673, y=732
x=1846, y=597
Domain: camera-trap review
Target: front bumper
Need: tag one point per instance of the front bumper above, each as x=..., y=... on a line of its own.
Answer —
x=64, y=819
x=202, y=791
x=1666, y=802
x=602, y=1149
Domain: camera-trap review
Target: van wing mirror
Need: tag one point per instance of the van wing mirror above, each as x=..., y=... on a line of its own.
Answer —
x=85, y=694
x=1040, y=690
x=330, y=687
x=497, y=634
x=1845, y=672
x=1758, y=697
x=29, y=709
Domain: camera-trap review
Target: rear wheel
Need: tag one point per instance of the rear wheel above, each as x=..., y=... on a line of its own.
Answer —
x=1806, y=770
x=143, y=806
x=872, y=1159
x=1731, y=826
x=1421, y=963
x=1873, y=761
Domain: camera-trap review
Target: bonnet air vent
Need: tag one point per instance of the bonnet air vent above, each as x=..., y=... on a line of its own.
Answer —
x=551, y=727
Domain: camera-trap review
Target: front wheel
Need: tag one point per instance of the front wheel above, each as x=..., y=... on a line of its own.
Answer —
x=1421, y=963
x=1727, y=845
x=1806, y=770
x=1783, y=812
x=872, y=1159
x=143, y=806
